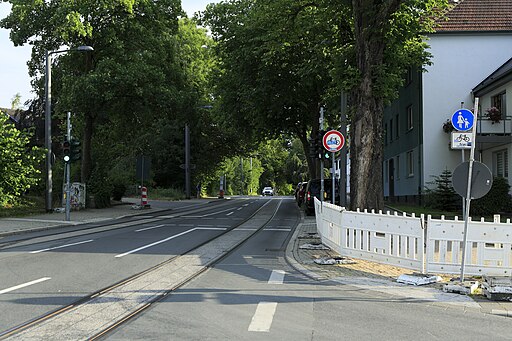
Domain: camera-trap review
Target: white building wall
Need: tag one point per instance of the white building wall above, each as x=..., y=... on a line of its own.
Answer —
x=459, y=64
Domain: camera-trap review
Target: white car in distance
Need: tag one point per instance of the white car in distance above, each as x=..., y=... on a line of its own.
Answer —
x=267, y=191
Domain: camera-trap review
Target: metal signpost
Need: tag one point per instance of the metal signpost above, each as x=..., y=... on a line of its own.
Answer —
x=333, y=141
x=321, y=121
x=464, y=120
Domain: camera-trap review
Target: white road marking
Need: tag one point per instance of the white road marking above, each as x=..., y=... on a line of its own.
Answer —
x=24, y=285
x=245, y=205
x=262, y=319
x=238, y=209
x=243, y=229
x=279, y=230
x=166, y=216
x=230, y=213
x=206, y=215
x=149, y=228
x=164, y=240
x=60, y=247
x=276, y=277
x=211, y=228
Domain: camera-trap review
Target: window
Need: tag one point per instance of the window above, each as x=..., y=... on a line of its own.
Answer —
x=385, y=133
x=501, y=163
x=397, y=127
x=409, y=118
x=398, y=167
x=410, y=163
x=386, y=171
x=408, y=76
x=391, y=130
x=499, y=101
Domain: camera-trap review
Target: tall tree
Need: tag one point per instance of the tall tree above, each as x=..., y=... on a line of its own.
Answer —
x=388, y=38
x=18, y=162
x=132, y=72
x=275, y=59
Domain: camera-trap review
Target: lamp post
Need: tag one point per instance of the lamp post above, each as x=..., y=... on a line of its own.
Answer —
x=48, y=119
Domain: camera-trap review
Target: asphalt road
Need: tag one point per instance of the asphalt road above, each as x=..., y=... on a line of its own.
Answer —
x=253, y=294
x=48, y=270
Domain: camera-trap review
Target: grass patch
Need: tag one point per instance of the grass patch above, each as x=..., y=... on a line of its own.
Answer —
x=166, y=194
x=27, y=206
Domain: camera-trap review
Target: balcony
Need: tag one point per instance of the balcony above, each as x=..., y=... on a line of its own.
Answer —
x=494, y=133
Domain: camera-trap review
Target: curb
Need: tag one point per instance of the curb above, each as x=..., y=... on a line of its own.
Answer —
x=290, y=259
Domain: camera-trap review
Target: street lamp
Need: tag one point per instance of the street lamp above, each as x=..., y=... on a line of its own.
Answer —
x=48, y=119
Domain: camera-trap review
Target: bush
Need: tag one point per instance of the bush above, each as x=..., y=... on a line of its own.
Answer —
x=100, y=189
x=166, y=193
x=496, y=201
x=443, y=196
x=118, y=190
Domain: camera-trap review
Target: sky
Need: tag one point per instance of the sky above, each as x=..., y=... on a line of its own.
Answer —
x=14, y=77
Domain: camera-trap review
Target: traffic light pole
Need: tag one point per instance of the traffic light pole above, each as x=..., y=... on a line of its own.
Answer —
x=68, y=171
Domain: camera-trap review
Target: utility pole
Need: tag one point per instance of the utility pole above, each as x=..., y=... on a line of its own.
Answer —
x=187, y=162
x=343, y=152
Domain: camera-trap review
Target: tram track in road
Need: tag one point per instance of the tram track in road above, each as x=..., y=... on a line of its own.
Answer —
x=63, y=233
x=97, y=314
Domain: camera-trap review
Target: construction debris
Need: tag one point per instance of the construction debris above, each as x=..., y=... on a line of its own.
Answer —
x=310, y=235
x=497, y=288
x=418, y=279
x=313, y=246
x=333, y=260
x=465, y=288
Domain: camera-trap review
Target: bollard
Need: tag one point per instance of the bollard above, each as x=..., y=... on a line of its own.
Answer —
x=144, y=197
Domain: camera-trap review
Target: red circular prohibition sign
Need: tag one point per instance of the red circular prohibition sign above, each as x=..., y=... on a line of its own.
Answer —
x=333, y=141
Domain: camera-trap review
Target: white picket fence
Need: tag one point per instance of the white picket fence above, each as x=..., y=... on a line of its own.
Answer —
x=488, y=247
x=427, y=246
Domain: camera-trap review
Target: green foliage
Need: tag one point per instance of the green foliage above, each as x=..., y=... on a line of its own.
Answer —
x=497, y=201
x=166, y=193
x=443, y=196
x=100, y=188
x=27, y=205
x=19, y=163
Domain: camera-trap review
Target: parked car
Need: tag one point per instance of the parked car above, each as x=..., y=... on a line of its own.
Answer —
x=313, y=190
x=299, y=192
x=267, y=191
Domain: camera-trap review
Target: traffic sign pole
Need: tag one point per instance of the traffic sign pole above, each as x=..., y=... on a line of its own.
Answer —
x=468, y=195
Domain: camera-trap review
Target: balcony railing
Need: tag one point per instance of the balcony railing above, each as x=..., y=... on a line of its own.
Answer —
x=485, y=126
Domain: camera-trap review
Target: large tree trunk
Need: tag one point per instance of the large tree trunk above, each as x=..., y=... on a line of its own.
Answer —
x=371, y=18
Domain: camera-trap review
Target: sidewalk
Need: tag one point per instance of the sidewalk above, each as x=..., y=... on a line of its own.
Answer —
x=379, y=277
x=45, y=221
x=363, y=274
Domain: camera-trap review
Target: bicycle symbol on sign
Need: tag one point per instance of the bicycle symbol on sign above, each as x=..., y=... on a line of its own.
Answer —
x=333, y=141
x=462, y=137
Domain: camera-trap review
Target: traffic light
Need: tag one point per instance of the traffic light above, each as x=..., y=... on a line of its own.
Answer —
x=312, y=148
x=66, y=150
x=320, y=144
x=76, y=152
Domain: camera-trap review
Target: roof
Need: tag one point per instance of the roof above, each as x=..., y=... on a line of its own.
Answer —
x=496, y=79
x=11, y=113
x=477, y=16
